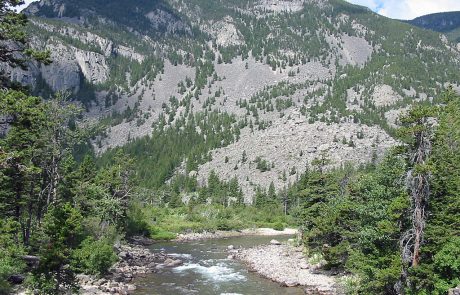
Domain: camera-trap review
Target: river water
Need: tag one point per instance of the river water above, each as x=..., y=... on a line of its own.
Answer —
x=207, y=271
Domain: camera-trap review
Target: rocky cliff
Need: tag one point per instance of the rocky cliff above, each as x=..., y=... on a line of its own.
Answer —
x=300, y=77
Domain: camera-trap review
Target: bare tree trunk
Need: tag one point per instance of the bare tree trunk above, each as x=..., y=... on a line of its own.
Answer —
x=418, y=184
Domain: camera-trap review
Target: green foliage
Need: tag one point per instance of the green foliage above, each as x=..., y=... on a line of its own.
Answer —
x=62, y=234
x=278, y=226
x=447, y=266
x=167, y=147
x=94, y=257
x=357, y=219
x=159, y=234
x=443, y=225
x=10, y=254
x=136, y=223
x=166, y=222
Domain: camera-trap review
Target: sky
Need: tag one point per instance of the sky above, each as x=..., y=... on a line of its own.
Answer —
x=408, y=9
x=27, y=2
x=400, y=9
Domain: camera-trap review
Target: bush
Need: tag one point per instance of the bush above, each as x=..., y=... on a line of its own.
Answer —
x=223, y=224
x=10, y=252
x=278, y=226
x=94, y=257
x=161, y=235
x=447, y=266
x=136, y=223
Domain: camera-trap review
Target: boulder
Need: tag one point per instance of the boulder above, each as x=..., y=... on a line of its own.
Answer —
x=304, y=265
x=31, y=261
x=16, y=279
x=275, y=242
x=173, y=262
x=100, y=282
x=142, y=241
x=125, y=255
x=291, y=283
x=231, y=247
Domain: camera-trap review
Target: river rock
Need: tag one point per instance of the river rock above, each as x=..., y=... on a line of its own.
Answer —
x=141, y=240
x=283, y=264
x=275, y=242
x=291, y=283
x=173, y=262
x=100, y=282
x=16, y=279
x=231, y=247
x=304, y=265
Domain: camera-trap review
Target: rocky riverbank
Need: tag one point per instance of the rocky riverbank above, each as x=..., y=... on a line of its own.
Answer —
x=134, y=260
x=227, y=234
x=288, y=266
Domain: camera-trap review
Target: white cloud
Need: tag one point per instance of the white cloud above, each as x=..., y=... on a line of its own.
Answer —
x=27, y=2
x=372, y=4
x=409, y=9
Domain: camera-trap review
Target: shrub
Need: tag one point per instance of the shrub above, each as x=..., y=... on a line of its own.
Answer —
x=136, y=223
x=161, y=234
x=447, y=266
x=278, y=226
x=223, y=224
x=94, y=257
x=10, y=252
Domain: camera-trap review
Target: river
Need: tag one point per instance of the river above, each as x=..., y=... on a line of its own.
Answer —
x=207, y=271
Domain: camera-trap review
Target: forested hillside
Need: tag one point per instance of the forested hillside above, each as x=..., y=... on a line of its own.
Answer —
x=263, y=77
x=447, y=23
x=162, y=117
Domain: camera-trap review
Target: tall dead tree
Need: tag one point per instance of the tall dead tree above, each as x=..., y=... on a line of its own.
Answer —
x=417, y=133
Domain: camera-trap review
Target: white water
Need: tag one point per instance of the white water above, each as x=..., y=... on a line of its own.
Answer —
x=213, y=270
x=207, y=271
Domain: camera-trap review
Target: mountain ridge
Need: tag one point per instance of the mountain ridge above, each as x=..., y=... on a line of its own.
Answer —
x=444, y=22
x=246, y=69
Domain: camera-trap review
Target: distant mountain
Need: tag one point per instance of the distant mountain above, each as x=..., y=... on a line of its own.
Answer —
x=250, y=89
x=445, y=22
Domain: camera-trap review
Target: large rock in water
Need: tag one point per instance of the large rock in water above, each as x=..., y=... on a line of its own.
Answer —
x=275, y=242
x=172, y=262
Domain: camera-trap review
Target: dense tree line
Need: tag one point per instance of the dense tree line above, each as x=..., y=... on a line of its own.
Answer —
x=56, y=211
x=393, y=225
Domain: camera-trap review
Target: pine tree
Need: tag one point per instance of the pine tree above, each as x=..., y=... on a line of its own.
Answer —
x=417, y=133
x=437, y=273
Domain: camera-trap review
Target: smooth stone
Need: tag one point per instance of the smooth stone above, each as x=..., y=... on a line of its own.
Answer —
x=275, y=242
x=172, y=262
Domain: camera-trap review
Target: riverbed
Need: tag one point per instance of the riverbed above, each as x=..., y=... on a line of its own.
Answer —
x=207, y=270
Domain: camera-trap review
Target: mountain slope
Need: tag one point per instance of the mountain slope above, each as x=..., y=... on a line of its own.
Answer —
x=446, y=22
x=280, y=81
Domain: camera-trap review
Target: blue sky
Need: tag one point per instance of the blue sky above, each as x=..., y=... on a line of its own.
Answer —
x=409, y=9
x=402, y=9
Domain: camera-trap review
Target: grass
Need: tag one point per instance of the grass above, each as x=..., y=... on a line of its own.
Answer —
x=165, y=223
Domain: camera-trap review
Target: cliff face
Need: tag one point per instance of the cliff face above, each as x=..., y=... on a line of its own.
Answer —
x=300, y=78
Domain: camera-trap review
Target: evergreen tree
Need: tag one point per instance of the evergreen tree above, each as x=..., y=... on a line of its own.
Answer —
x=437, y=273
